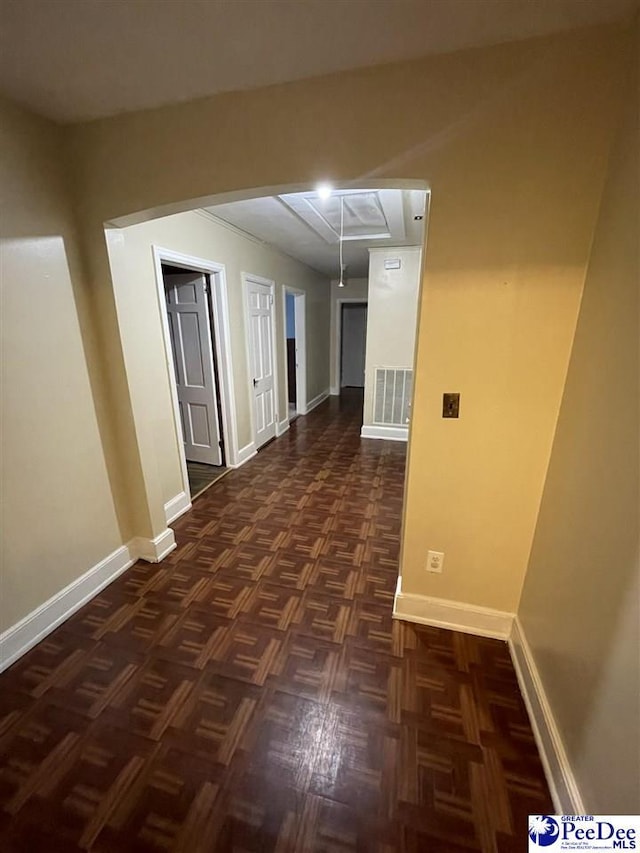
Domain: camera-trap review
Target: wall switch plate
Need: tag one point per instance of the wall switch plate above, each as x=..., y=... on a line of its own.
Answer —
x=451, y=405
x=435, y=561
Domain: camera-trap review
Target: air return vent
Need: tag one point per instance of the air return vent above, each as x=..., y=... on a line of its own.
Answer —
x=392, y=396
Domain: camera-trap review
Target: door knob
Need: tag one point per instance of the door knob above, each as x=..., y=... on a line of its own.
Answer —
x=255, y=382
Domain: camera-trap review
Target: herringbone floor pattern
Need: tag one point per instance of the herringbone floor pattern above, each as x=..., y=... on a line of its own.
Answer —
x=252, y=692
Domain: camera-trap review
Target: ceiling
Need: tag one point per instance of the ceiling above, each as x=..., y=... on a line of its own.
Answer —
x=308, y=228
x=74, y=60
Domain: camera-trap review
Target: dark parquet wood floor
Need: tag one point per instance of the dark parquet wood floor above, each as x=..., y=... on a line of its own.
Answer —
x=202, y=476
x=252, y=692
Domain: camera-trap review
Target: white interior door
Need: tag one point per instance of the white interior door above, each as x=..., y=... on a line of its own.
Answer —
x=260, y=310
x=193, y=361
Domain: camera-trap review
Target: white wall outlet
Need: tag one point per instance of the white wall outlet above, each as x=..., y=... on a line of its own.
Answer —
x=435, y=561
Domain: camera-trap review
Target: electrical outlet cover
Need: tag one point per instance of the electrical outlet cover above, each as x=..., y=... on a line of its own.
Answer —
x=435, y=561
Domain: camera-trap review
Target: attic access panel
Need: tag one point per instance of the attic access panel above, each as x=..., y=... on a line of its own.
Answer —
x=368, y=214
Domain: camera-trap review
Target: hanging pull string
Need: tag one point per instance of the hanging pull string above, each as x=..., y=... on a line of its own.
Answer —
x=341, y=283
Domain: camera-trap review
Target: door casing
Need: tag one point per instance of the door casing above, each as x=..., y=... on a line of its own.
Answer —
x=219, y=316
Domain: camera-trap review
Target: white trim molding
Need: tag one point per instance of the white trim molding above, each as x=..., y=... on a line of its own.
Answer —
x=21, y=637
x=177, y=506
x=244, y=454
x=385, y=432
x=153, y=550
x=562, y=783
x=282, y=426
x=454, y=615
x=312, y=404
x=35, y=626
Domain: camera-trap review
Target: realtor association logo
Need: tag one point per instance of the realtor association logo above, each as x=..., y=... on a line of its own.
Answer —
x=583, y=832
x=543, y=830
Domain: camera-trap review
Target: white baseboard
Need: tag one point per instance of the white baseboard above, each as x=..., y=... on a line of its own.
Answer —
x=311, y=404
x=17, y=640
x=385, y=432
x=177, y=506
x=22, y=636
x=153, y=550
x=454, y=615
x=334, y=391
x=282, y=426
x=244, y=455
x=562, y=783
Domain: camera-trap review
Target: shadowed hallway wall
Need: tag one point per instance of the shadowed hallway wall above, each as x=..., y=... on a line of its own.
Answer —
x=580, y=606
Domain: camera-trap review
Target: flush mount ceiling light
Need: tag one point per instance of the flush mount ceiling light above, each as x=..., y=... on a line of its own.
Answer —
x=341, y=283
x=324, y=191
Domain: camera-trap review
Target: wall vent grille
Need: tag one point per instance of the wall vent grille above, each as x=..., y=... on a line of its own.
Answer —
x=392, y=396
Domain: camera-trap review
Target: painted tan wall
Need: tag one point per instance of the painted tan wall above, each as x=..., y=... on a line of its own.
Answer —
x=357, y=288
x=198, y=235
x=58, y=515
x=513, y=142
x=580, y=602
x=391, y=320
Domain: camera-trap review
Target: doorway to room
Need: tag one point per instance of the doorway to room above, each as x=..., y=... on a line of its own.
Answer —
x=353, y=344
x=296, y=373
x=195, y=378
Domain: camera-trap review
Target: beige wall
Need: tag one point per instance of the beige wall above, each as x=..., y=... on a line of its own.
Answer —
x=356, y=288
x=58, y=515
x=392, y=315
x=580, y=602
x=201, y=236
x=512, y=141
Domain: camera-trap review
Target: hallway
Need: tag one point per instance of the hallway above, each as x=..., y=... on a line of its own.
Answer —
x=253, y=693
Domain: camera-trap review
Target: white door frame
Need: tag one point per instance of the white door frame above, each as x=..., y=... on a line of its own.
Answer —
x=338, y=337
x=300, y=308
x=247, y=278
x=217, y=299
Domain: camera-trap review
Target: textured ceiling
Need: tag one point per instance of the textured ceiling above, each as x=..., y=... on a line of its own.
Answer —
x=376, y=218
x=74, y=60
